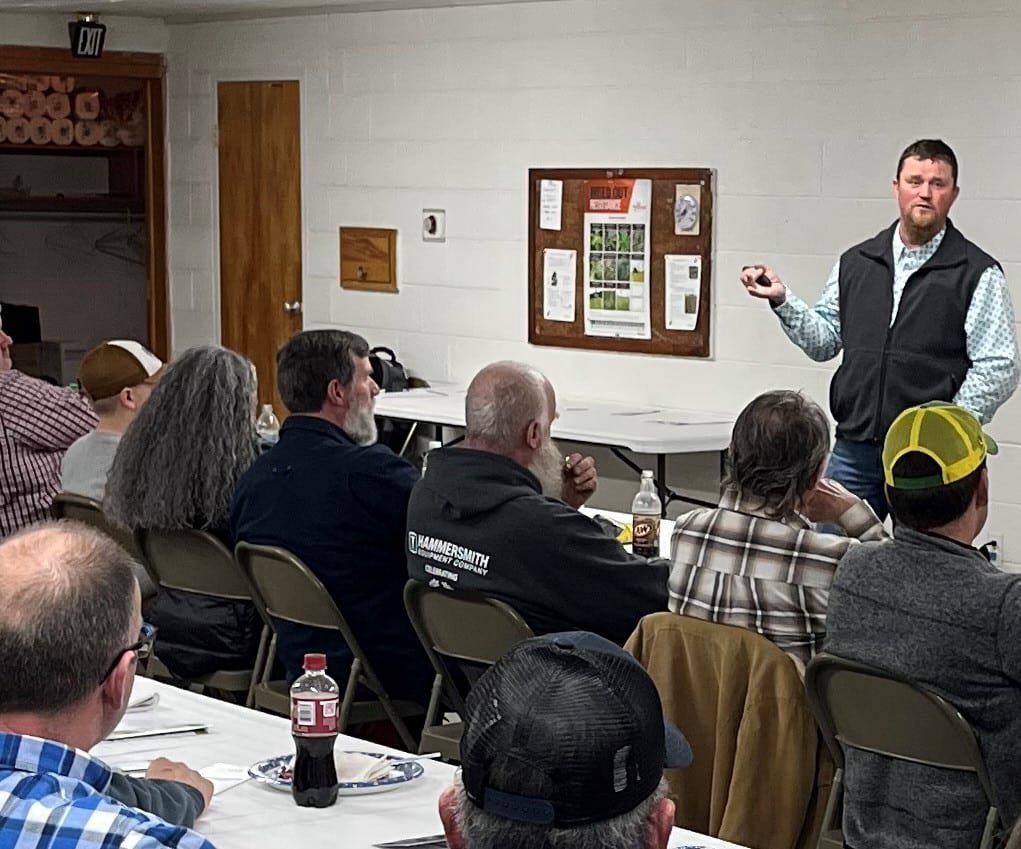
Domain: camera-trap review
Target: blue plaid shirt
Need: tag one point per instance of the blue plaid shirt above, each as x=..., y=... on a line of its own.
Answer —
x=53, y=796
x=988, y=327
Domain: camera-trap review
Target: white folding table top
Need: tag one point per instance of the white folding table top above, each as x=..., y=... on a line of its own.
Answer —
x=646, y=429
x=254, y=816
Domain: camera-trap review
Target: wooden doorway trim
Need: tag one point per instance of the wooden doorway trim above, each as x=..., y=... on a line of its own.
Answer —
x=150, y=68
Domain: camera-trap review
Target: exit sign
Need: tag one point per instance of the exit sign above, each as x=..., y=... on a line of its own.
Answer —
x=87, y=39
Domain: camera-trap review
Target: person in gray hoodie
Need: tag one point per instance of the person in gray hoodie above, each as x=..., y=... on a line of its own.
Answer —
x=499, y=515
x=930, y=607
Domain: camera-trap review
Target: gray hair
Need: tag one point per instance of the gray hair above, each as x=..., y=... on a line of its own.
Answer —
x=482, y=830
x=181, y=457
x=502, y=399
x=780, y=441
x=66, y=600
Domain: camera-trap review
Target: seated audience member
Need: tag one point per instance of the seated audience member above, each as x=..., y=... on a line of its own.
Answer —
x=564, y=745
x=117, y=377
x=71, y=633
x=38, y=422
x=499, y=516
x=929, y=607
x=338, y=501
x=756, y=561
x=176, y=467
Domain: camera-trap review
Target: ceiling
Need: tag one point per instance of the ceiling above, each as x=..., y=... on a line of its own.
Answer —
x=193, y=10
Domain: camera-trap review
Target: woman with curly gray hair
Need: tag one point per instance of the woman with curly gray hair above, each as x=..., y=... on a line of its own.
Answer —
x=176, y=467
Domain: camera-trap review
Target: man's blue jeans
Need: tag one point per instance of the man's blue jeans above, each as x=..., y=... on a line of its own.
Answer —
x=859, y=467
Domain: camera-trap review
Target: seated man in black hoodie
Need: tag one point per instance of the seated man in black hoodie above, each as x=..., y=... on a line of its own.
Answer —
x=498, y=515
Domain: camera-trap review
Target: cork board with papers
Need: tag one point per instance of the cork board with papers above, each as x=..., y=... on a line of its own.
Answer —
x=620, y=259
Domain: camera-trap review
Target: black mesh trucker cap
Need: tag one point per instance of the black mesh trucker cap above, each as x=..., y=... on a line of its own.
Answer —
x=566, y=729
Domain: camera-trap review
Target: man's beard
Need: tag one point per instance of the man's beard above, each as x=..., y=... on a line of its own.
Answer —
x=922, y=227
x=548, y=467
x=360, y=424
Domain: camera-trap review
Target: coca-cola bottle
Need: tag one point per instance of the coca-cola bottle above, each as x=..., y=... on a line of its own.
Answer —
x=315, y=698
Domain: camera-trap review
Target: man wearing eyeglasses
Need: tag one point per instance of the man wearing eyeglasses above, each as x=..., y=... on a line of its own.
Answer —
x=71, y=636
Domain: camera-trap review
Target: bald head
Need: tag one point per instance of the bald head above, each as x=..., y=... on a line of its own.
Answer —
x=503, y=400
x=67, y=602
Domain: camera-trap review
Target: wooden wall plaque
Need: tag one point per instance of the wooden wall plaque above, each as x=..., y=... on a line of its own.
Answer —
x=368, y=259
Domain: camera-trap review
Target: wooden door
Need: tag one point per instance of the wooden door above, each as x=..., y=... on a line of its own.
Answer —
x=260, y=222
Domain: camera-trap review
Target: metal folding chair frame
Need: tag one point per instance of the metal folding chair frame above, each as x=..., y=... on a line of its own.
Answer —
x=313, y=606
x=866, y=708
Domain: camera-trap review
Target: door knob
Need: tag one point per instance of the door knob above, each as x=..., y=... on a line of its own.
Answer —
x=292, y=307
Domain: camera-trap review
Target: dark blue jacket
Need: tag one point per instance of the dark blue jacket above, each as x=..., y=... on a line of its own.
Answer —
x=341, y=508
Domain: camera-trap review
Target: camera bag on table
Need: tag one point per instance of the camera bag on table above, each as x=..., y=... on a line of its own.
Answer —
x=390, y=376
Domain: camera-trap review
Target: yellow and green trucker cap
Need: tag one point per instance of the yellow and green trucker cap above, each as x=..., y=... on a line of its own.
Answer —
x=950, y=435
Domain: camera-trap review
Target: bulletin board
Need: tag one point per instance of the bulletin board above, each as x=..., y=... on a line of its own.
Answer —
x=640, y=287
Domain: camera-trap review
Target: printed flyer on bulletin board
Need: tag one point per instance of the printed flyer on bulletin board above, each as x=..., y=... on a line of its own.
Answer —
x=617, y=215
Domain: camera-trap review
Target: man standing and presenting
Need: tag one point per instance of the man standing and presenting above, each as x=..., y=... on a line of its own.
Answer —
x=920, y=312
x=37, y=424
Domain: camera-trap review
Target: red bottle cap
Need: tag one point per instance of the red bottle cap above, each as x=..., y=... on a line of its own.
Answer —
x=314, y=662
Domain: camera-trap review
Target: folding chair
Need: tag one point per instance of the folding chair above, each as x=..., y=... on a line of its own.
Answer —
x=463, y=634
x=68, y=505
x=285, y=589
x=865, y=708
x=197, y=562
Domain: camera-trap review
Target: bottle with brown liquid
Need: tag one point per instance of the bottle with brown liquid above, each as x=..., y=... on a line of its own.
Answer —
x=315, y=698
x=646, y=510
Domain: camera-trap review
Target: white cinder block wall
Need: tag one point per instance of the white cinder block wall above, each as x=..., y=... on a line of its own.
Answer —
x=801, y=106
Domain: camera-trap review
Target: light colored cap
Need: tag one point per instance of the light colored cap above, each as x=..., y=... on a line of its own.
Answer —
x=111, y=366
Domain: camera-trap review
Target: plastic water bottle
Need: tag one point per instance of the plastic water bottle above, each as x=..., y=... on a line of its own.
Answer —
x=315, y=699
x=646, y=510
x=267, y=425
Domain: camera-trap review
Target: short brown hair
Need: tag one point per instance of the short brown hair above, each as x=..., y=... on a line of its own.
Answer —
x=936, y=150
x=932, y=507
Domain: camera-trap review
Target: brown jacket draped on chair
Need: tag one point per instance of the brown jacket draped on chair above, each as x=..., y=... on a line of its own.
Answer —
x=741, y=703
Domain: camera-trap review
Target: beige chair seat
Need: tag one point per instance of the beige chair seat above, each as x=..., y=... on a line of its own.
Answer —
x=284, y=588
x=197, y=562
x=463, y=634
x=862, y=707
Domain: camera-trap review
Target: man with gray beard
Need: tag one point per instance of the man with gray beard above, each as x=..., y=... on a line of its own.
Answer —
x=499, y=515
x=327, y=493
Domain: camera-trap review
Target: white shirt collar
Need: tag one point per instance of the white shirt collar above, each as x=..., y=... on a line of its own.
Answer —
x=899, y=247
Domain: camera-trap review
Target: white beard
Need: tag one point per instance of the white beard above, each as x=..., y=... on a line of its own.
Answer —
x=360, y=425
x=548, y=467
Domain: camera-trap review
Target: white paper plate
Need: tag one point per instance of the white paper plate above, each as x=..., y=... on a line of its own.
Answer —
x=276, y=773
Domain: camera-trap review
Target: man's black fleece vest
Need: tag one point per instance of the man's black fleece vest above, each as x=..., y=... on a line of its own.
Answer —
x=924, y=355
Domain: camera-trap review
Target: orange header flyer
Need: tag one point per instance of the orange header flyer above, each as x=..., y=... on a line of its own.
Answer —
x=608, y=195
